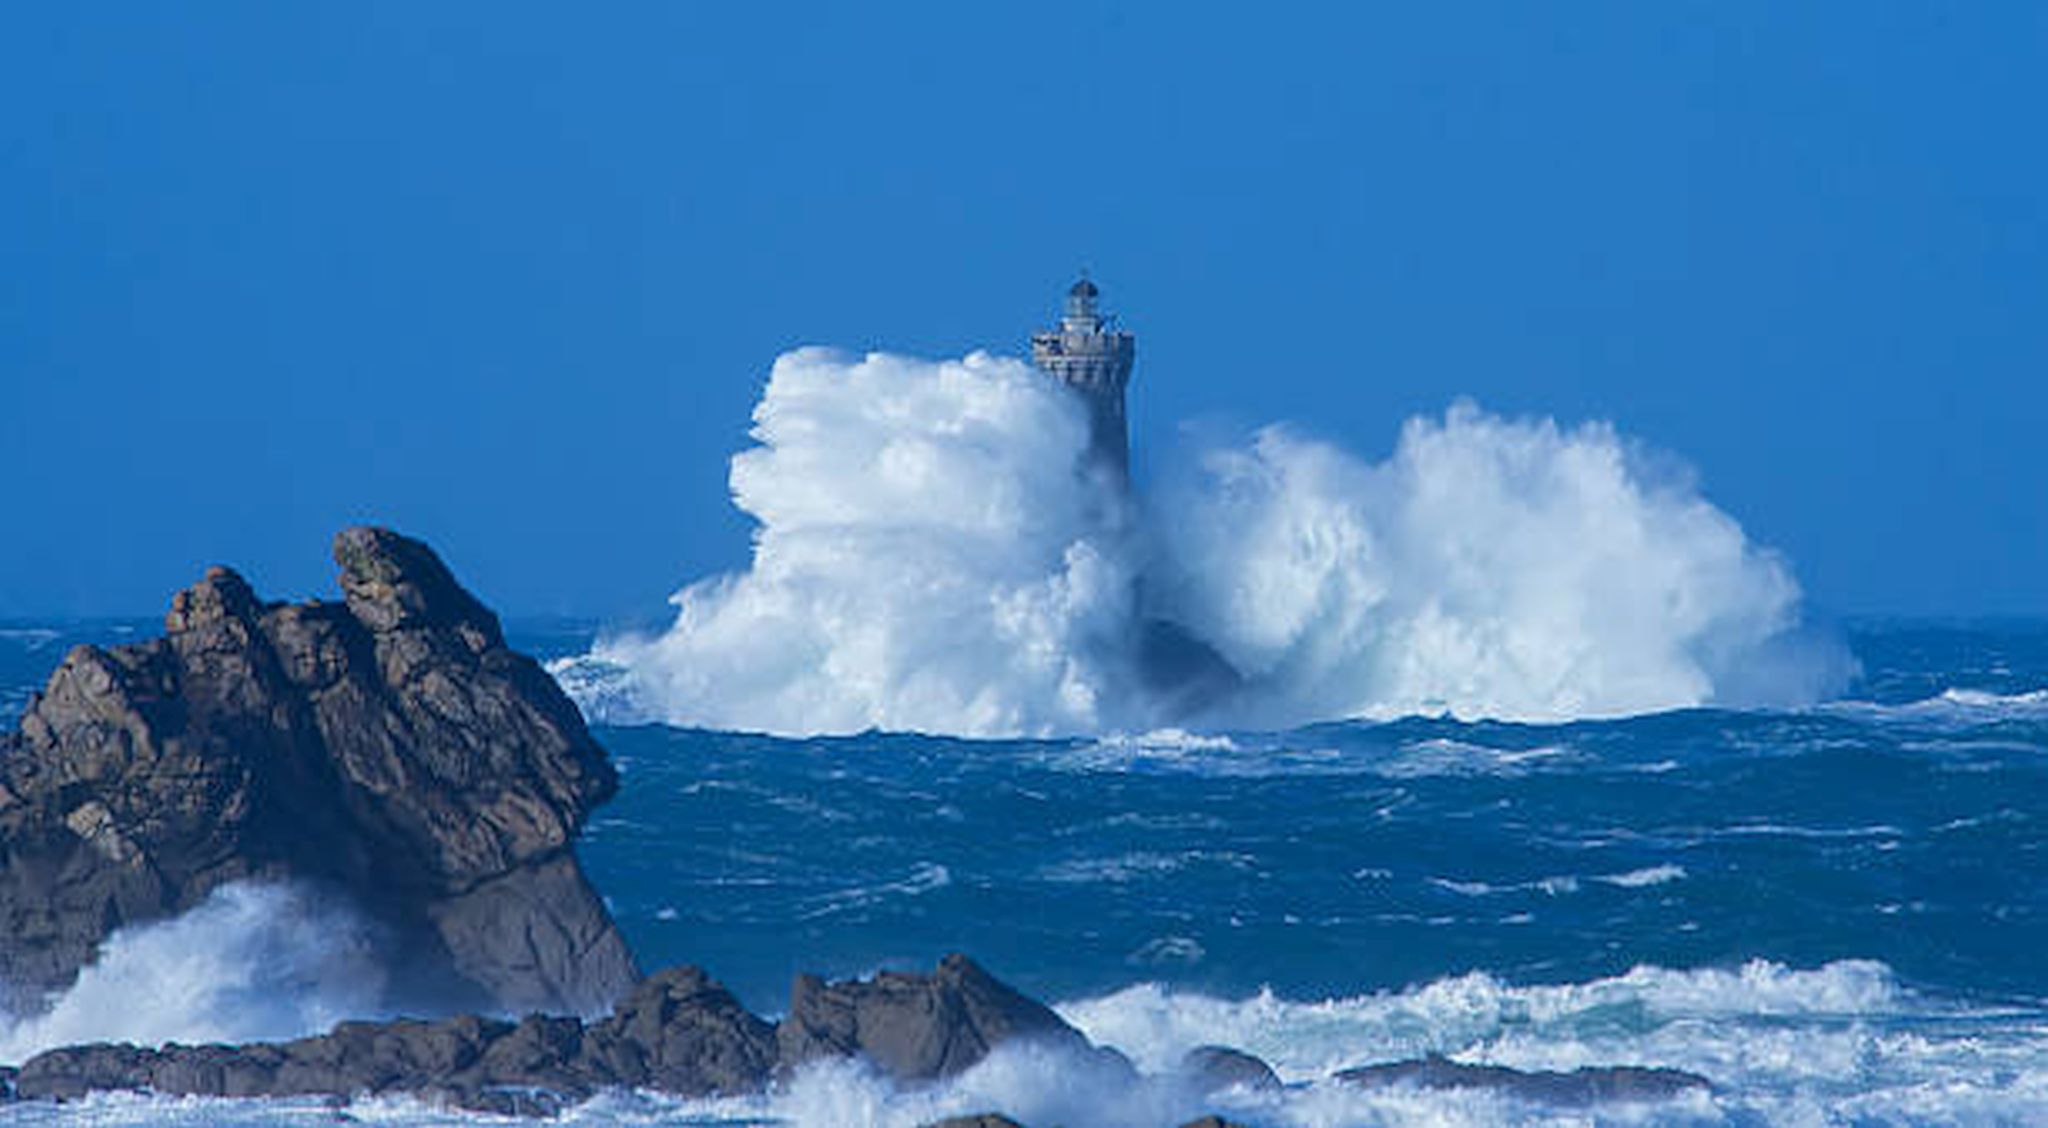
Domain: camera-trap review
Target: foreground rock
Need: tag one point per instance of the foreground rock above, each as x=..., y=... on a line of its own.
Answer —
x=677, y=1032
x=390, y=747
x=1587, y=1085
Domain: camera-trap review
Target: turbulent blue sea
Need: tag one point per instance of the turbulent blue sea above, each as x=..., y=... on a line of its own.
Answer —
x=1838, y=914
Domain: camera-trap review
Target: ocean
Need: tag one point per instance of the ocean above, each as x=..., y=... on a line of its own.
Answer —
x=1836, y=912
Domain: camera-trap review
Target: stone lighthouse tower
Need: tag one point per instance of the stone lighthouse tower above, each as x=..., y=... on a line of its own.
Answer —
x=1090, y=356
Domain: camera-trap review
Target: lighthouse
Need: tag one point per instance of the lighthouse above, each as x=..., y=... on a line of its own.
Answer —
x=1088, y=354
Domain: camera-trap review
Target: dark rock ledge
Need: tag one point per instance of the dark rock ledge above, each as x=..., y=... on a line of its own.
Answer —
x=677, y=1032
x=1583, y=1086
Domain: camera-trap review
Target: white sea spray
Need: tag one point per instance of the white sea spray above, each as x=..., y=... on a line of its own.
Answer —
x=934, y=553
x=252, y=962
x=928, y=559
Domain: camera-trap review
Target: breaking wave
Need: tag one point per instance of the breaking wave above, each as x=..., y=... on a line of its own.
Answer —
x=253, y=962
x=1955, y=707
x=936, y=553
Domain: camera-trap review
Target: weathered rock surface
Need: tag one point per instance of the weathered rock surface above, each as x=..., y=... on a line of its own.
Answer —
x=390, y=746
x=1586, y=1085
x=680, y=1032
x=916, y=1027
x=677, y=1032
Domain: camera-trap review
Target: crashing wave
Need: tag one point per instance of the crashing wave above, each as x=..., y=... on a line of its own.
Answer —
x=252, y=962
x=936, y=553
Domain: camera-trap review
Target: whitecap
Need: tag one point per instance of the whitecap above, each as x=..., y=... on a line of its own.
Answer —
x=1956, y=706
x=1647, y=876
x=1443, y=756
x=30, y=638
x=923, y=878
x=1171, y=740
x=1554, y=886
x=1115, y=870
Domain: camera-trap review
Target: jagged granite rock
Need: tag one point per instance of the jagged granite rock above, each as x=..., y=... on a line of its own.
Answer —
x=1582, y=1086
x=680, y=1032
x=1210, y=1068
x=916, y=1027
x=677, y=1032
x=390, y=746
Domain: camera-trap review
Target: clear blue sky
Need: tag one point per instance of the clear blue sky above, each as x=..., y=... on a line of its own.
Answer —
x=509, y=276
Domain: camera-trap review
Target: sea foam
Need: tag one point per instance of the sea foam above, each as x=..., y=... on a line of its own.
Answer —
x=1841, y=1042
x=936, y=553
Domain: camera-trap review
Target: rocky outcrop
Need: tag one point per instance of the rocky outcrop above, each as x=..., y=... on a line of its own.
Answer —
x=1583, y=1086
x=1210, y=1068
x=390, y=746
x=677, y=1032
x=680, y=1032
x=916, y=1027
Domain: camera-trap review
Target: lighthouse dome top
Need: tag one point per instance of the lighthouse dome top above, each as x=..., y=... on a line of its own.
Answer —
x=1090, y=355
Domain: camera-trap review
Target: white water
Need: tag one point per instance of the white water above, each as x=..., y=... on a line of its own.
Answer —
x=250, y=963
x=1955, y=707
x=934, y=554
x=928, y=558
x=1837, y=1044
x=1843, y=1043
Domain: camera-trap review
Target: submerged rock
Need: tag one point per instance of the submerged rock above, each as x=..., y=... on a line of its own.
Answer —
x=1211, y=1068
x=390, y=746
x=1586, y=1085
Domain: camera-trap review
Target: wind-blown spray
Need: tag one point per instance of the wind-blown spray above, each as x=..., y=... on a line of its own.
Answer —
x=937, y=553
